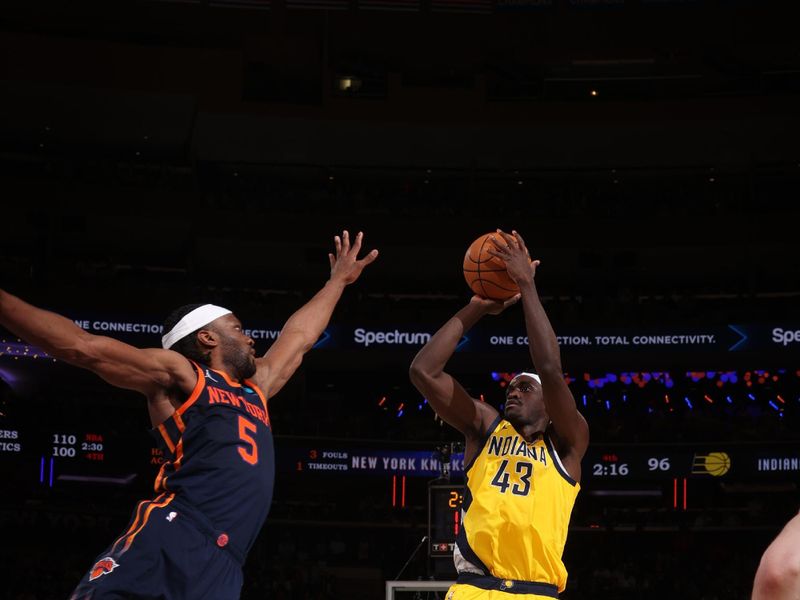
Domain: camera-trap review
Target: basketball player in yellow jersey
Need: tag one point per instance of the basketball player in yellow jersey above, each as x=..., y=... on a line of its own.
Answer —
x=523, y=467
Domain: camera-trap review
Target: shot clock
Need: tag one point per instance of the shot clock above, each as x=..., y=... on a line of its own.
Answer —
x=444, y=518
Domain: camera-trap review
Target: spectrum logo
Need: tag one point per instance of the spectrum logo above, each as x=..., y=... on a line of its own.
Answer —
x=367, y=337
x=785, y=336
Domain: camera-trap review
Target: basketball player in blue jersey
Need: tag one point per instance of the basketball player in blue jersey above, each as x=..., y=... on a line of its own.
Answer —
x=522, y=468
x=207, y=397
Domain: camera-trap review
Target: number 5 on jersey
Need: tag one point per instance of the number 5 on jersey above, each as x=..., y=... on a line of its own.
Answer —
x=249, y=454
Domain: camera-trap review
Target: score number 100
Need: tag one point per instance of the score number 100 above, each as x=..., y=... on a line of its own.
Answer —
x=614, y=469
x=64, y=445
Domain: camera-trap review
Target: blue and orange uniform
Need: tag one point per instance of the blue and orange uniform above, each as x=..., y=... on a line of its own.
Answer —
x=213, y=491
x=516, y=510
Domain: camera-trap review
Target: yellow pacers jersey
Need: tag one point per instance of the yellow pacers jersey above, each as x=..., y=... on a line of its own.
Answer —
x=516, y=509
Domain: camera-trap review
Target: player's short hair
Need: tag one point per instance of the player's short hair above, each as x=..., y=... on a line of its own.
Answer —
x=187, y=346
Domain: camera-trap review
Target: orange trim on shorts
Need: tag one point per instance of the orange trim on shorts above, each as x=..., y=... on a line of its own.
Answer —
x=178, y=454
x=198, y=387
x=133, y=525
x=159, y=485
x=147, y=512
x=167, y=440
x=161, y=479
x=179, y=422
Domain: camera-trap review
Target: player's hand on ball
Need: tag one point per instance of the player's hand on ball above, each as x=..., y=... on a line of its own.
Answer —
x=511, y=249
x=485, y=273
x=494, y=307
x=345, y=265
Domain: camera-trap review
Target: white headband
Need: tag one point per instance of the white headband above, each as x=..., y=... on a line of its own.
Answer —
x=199, y=317
x=531, y=375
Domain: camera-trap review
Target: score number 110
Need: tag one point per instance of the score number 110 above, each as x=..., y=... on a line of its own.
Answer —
x=64, y=445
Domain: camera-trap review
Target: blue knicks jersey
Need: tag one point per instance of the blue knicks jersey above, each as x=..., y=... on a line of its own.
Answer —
x=220, y=459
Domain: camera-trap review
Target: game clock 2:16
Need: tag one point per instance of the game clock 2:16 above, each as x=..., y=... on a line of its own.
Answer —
x=610, y=465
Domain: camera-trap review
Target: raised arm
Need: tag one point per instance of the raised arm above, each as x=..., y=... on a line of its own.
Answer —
x=569, y=424
x=148, y=371
x=302, y=330
x=444, y=393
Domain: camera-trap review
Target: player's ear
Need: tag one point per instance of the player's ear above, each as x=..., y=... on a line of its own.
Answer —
x=207, y=337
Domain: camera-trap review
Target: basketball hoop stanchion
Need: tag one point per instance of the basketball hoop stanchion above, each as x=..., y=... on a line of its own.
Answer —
x=444, y=518
x=415, y=586
x=413, y=554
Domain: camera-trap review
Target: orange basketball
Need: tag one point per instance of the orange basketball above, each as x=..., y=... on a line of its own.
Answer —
x=486, y=275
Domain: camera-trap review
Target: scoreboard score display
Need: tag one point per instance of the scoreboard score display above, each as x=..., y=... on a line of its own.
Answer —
x=36, y=453
x=40, y=456
x=750, y=462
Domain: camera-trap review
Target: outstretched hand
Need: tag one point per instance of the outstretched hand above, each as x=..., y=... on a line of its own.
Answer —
x=512, y=251
x=345, y=265
x=493, y=307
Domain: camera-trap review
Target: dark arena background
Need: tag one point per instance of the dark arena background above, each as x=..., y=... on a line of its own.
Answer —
x=154, y=154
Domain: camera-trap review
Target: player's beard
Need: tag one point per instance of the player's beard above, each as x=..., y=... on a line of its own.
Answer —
x=247, y=367
x=241, y=360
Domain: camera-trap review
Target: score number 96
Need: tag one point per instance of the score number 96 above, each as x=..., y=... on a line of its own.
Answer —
x=658, y=464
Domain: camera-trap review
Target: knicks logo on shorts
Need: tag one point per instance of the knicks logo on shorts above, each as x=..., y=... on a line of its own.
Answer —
x=102, y=567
